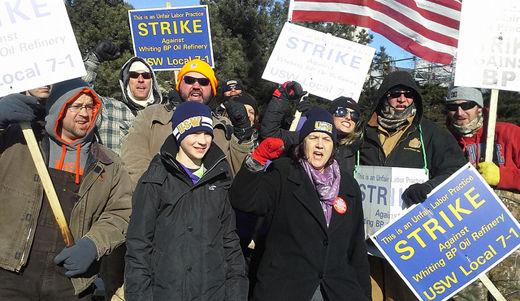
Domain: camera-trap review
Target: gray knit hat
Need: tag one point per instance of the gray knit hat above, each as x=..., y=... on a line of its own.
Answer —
x=465, y=93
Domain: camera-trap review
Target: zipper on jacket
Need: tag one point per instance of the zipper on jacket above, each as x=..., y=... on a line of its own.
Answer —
x=20, y=264
x=208, y=171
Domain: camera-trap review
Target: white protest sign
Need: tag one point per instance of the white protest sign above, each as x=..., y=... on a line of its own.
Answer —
x=488, y=54
x=37, y=45
x=324, y=65
x=381, y=189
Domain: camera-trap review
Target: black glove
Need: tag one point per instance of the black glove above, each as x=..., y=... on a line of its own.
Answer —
x=416, y=193
x=106, y=51
x=304, y=105
x=78, y=258
x=289, y=90
x=238, y=115
x=17, y=107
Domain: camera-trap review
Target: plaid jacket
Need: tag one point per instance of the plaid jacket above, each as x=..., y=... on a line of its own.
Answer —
x=116, y=119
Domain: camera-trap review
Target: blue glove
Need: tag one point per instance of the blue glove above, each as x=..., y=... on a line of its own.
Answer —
x=416, y=193
x=17, y=107
x=78, y=258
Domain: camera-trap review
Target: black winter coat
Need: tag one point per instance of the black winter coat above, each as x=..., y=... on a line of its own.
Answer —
x=181, y=241
x=443, y=155
x=301, y=253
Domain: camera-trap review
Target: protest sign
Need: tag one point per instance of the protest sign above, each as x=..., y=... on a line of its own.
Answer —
x=37, y=45
x=488, y=54
x=169, y=37
x=461, y=231
x=381, y=189
x=324, y=65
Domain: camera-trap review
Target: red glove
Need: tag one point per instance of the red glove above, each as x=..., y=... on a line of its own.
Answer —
x=271, y=148
x=290, y=90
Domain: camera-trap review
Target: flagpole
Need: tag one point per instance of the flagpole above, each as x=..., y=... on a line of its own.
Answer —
x=289, y=15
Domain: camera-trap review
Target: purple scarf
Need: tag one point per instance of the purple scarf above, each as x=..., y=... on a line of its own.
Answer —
x=326, y=184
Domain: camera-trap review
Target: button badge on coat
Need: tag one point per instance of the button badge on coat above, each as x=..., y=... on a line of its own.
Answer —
x=340, y=206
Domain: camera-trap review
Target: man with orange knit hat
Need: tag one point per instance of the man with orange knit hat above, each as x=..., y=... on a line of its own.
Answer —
x=196, y=81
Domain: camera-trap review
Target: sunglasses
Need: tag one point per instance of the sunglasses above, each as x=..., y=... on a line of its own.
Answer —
x=398, y=93
x=145, y=75
x=464, y=106
x=191, y=80
x=343, y=112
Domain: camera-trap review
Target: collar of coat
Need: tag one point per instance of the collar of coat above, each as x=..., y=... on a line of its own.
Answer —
x=213, y=157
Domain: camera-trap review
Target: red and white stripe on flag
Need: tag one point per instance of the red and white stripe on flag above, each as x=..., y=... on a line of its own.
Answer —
x=428, y=29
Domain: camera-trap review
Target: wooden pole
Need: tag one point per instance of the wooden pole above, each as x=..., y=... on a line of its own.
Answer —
x=490, y=142
x=297, y=116
x=47, y=183
x=492, y=118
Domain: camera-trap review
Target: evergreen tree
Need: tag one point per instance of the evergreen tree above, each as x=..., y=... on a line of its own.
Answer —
x=97, y=20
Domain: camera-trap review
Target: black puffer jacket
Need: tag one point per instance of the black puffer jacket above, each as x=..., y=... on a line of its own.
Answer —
x=443, y=156
x=181, y=241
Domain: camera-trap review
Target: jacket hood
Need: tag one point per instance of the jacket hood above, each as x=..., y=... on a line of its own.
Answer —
x=62, y=94
x=392, y=80
x=70, y=156
x=123, y=82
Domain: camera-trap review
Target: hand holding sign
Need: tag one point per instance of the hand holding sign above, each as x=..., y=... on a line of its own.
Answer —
x=15, y=108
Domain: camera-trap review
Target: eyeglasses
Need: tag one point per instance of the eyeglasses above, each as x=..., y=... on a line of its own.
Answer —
x=78, y=108
x=398, y=93
x=191, y=80
x=145, y=75
x=464, y=106
x=342, y=112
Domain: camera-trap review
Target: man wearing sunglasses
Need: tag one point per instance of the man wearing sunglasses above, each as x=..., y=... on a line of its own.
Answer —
x=139, y=89
x=397, y=135
x=196, y=81
x=467, y=123
x=233, y=87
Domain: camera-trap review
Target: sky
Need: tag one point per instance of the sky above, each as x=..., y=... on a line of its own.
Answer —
x=391, y=49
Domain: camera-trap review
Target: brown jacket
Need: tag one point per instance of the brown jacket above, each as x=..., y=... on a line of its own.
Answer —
x=153, y=125
x=101, y=213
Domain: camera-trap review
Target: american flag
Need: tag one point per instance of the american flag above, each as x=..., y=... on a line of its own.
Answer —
x=428, y=29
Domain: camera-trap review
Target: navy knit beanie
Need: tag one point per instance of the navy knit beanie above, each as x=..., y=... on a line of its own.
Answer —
x=318, y=120
x=190, y=117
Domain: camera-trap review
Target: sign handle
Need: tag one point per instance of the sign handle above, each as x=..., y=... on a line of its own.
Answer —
x=491, y=287
x=490, y=142
x=297, y=116
x=47, y=182
x=492, y=118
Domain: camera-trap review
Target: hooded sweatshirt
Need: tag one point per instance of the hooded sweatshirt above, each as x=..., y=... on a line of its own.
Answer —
x=421, y=144
x=63, y=155
x=123, y=82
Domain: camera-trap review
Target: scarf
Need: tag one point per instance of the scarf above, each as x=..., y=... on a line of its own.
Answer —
x=471, y=128
x=326, y=184
x=143, y=103
x=391, y=119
